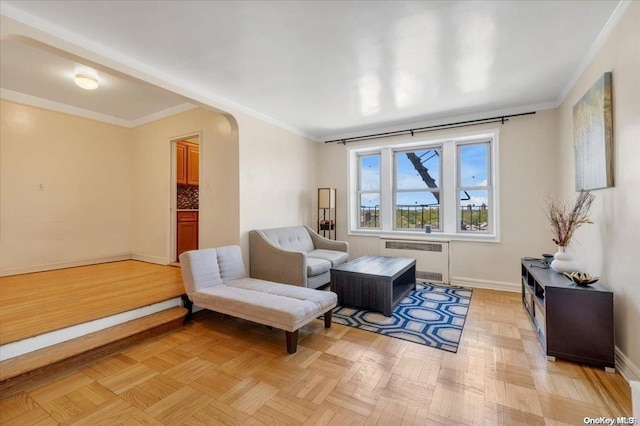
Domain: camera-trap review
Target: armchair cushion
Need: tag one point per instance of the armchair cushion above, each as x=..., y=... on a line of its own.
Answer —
x=335, y=257
x=316, y=266
x=294, y=238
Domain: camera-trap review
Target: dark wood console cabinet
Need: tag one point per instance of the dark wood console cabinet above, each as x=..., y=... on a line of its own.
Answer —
x=573, y=322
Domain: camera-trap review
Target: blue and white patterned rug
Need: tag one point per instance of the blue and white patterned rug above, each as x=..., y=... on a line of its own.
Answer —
x=431, y=315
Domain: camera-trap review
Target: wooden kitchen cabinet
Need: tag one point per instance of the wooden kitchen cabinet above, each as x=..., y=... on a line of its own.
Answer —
x=187, y=231
x=193, y=164
x=187, y=162
x=181, y=163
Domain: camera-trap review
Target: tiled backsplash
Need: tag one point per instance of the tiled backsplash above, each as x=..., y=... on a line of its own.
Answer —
x=187, y=197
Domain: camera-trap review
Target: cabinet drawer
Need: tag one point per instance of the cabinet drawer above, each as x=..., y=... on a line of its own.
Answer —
x=187, y=216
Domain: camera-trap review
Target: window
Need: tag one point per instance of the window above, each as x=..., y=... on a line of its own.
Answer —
x=445, y=184
x=473, y=187
x=369, y=190
x=417, y=188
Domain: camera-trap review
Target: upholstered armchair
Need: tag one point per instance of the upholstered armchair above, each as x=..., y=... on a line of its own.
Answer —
x=295, y=255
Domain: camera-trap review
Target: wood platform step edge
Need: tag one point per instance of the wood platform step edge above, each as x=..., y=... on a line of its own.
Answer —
x=19, y=371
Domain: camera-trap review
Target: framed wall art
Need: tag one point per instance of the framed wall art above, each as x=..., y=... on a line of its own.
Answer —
x=593, y=136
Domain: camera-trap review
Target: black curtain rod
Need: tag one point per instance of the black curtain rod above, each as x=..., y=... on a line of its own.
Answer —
x=499, y=119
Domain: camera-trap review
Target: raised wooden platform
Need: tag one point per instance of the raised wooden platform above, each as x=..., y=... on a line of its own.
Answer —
x=17, y=371
x=40, y=302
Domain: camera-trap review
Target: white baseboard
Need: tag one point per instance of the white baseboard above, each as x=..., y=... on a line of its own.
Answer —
x=149, y=259
x=60, y=265
x=485, y=284
x=626, y=367
x=82, y=262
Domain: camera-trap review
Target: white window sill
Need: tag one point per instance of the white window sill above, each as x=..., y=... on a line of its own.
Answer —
x=421, y=236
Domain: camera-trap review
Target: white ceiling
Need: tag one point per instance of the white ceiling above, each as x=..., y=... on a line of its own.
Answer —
x=325, y=68
x=32, y=71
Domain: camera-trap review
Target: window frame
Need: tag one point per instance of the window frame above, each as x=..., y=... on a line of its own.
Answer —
x=487, y=187
x=360, y=191
x=449, y=182
x=395, y=190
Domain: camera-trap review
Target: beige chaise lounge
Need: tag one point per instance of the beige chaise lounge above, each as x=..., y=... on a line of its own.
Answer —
x=295, y=255
x=215, y=279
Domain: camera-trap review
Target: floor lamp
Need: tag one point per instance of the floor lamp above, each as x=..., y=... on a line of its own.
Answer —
x=327, y=212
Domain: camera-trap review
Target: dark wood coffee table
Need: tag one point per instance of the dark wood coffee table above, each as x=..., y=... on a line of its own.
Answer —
x=376, y=283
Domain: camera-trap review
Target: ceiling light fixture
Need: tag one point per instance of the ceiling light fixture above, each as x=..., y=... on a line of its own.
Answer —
x=86, y=81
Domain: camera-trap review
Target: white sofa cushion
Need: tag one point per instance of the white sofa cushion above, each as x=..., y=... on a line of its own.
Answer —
x=200, y=269
x=278, y=305
x=230, y=263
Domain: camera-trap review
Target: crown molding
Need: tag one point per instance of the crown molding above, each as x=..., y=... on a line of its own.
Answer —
x=37, y=102
x=608, y=28
x=162, y=114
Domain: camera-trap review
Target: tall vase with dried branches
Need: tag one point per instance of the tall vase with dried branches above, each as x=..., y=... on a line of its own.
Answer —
x=565, y=219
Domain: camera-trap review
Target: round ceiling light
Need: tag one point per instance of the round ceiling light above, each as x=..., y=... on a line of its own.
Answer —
x=86, y=81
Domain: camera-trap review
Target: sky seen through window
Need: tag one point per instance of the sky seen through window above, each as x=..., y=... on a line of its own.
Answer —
x=473, y=173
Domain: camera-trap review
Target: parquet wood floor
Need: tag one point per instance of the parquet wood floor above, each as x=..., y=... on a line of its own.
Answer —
x=221, y=370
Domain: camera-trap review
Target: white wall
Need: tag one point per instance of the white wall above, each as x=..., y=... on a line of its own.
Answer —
x=609, y=247
x=82, y=213
x=107, y=188
x=258, y=177
x=277, y=178
x=526, y=178
x=151, y=183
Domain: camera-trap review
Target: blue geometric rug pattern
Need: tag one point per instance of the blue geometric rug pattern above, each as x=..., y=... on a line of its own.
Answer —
x=431, y=315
